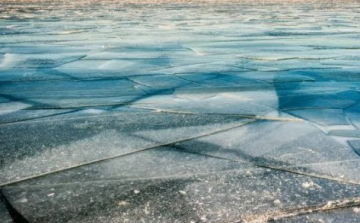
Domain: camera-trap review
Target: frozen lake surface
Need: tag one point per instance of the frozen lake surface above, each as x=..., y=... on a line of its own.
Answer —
x=179, y=111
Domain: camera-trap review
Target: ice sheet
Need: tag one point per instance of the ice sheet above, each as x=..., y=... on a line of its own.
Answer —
x=179, y=111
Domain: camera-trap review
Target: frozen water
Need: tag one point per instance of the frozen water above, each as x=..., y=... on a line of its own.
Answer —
x=179, y=111
x=4, y=214
x=325, y=117
x=355, y=144
x=345, y=133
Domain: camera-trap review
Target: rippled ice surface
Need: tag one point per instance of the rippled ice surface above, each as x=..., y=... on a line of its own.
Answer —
x=228, y=111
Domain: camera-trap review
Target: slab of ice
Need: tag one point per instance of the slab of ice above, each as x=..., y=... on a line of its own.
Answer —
x=160, y=81
x=72, y=93
x=17, y=75
x=350, y=215
x=354, y=116
x=4, y=214
x=9, y=116
x=207, y=105
x=38, y=60
x=264, y=144
x=276, y=77
x=212, y=196
x=75, y=140
x=6, y=108
x=339, y=100
x=355, y=144
x=345, y=133
x=324, y=117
